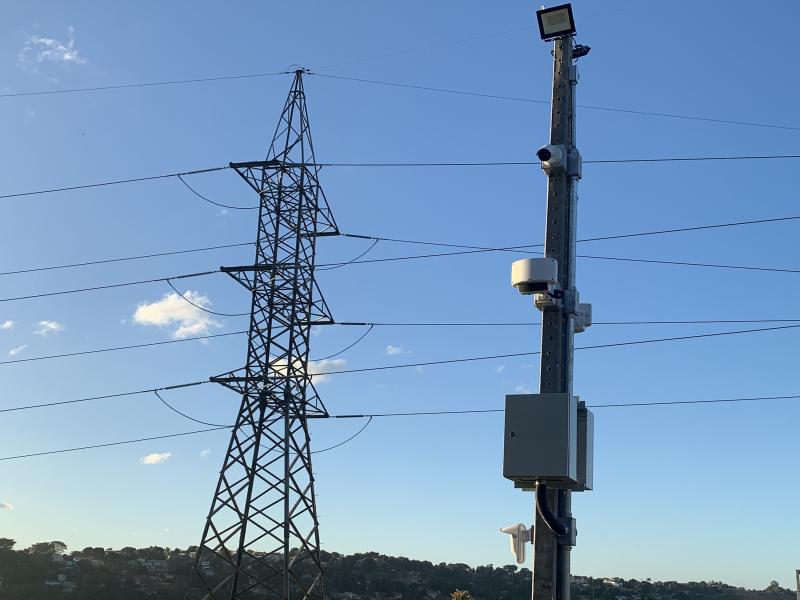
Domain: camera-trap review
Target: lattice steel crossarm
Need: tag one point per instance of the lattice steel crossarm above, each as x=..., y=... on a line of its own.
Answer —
x=261, y=537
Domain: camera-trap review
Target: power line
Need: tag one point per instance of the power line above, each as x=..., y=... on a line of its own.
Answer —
x=210, y=201
x=534, y=324
x=112, y=182
x=106, y=287
x=350, y=439
x=184, y=415
x=110, y=444
x=547, y=102
x=370, y=416
x=666, y=159
x=348, y=347
x=118, y=348
x=370, y=327
x=535, y=353
x=689, y=264
x=417, y=164
x=203, y=308
x=103, y=397
x=406, y=241
x=125, y=86
x=521, y=250
x=422, y=364
x=124, y=259
x=618, y=405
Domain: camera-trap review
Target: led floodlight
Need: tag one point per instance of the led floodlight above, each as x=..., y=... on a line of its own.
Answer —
x=556, y=22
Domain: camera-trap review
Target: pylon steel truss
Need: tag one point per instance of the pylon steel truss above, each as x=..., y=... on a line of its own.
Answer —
x=261, y=538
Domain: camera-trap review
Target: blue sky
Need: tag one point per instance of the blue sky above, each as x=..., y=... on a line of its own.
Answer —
x=681, y=492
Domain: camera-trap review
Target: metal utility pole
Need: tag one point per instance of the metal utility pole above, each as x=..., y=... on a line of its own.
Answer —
x=261, y=538
x=797, y=576
x=549, y=436
x=551, y=562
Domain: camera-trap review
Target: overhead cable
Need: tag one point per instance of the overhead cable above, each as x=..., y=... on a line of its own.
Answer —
x=107, y=287
x=104, y=261
x=369, y=329
x=534, y=353
x=420, y=164
x=110, y=444
x=547, y=102
x=203, y=308
x=184, y=415
x=408, y=241
x=408, y=414
x=118, y=348
x=210, y=201
x=125, y=86
x=112, y=182
x=103, y=397
x=535, y=324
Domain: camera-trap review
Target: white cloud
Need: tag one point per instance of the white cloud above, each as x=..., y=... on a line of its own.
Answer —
x=500, y=369
x=38, y=50
x=17, y=350
x=395, y=350
x=155, y=458
x=6, y=506
x=523, y=389
x=324, y=366
x=45, y=328
x=6, y=325
x=315, y=368
x=205, y=453
x=172, y=310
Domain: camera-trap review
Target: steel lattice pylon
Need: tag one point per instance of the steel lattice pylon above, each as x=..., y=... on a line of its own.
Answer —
x=261, y=538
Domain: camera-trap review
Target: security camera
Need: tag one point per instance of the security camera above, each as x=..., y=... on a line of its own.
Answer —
x=535, y=275
x=520, y=536
x=552, y=157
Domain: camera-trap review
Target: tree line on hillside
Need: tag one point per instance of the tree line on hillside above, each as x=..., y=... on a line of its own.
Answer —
x=47, y=570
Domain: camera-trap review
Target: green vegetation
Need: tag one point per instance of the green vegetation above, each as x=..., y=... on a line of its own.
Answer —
x=47, y=570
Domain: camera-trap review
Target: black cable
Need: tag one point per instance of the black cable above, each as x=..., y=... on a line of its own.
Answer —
x=519, y=163
x=590, y=239
x=124, y=259
x=117, y=348
x=342, y=351
x=534, y=353
x=104, y=397
x=592, y=406
x=520, y=250
x=175, y=410
x=419, y=242
x=350, y=262
x=202, y=197
x=499, y=410
x=544, y=511
x=535, y=101
x=351, y=438
x=114, y=182
x=533, y=324
x=126, y=86
x=110, y=444
x=106, y=287
x=689, y=264
x=209, y=311
x=418, y=164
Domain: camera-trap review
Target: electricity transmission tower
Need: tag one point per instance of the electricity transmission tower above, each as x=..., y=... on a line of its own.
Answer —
x=261, y=538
